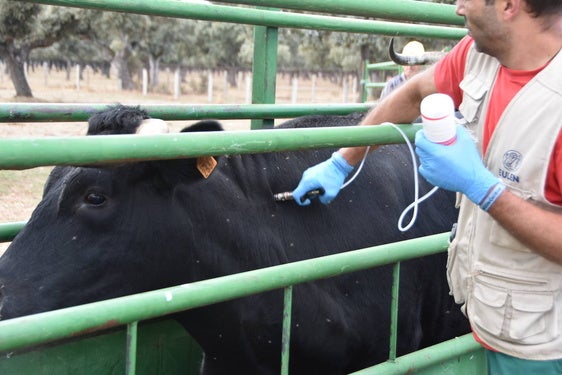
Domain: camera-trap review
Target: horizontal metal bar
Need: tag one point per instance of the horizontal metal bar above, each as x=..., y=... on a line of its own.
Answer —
x=22, y=153
x=424, y=358
x=69, y=112
x=418, y=11
x=9, y=230
x=387, y=65
x=375, y=84
x=262, y=17
x=40, y=328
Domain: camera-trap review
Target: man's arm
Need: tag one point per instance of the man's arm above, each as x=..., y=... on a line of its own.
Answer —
x=459, y=167
x=537, y=228
x=400, y=107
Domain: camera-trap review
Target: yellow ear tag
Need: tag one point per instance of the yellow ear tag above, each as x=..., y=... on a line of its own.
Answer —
x=206, y=165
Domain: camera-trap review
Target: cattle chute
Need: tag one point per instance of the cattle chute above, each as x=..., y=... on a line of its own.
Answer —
x=42, y=328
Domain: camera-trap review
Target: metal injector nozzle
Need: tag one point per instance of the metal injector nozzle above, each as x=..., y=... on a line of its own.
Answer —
x=288, y=195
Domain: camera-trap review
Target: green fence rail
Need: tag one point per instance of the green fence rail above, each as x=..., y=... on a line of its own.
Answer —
x=70, y=112
x=15, y=152
x=53, y=325
x=418, y=11
x=129, y=310
x=64, y=323
x=271, y=18
x=366, y=83
x=9, y=230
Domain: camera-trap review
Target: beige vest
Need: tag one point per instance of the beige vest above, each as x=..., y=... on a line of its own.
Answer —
x=511, y=295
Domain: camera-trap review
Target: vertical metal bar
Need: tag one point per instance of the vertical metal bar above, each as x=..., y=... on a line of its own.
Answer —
x=394, y=311
x=365, y=80
x=264, y=72
x=131, y=358
x=286, y=338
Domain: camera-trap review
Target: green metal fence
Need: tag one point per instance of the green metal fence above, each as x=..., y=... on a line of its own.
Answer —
x=458, y=356
x=366, y=82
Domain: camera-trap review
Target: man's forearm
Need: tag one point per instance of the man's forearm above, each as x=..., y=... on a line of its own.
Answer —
x=536, y=227
x=400, y=107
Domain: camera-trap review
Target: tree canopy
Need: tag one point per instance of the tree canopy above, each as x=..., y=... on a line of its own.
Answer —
x=123, y=44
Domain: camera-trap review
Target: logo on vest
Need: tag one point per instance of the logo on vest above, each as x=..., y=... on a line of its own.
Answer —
x=511, y=162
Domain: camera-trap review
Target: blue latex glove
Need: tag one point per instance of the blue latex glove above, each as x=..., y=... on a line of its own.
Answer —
x=456, y=167
x=327, y=176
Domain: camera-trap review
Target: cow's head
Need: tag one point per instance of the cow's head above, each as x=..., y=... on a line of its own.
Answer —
x=84, y=239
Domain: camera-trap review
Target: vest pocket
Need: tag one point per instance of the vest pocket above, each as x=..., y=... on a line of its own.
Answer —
x=534, y=317
x=488, y=308
x=513, y=309
x=474, y=92
x=455, y=269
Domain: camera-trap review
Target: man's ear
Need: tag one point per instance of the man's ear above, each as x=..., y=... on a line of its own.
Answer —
x=510, y=8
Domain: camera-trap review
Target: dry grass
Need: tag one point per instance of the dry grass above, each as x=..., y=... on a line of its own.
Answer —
x=20, y=191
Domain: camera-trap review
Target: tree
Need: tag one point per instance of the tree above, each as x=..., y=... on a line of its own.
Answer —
x=25, y=27
x=221, y=44
x=122, y=34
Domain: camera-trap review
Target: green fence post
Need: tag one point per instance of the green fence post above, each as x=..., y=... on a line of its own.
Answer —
x=131, y=358
x=286, y=338
x=364, y=90
x=264, y=71
x=394, y=312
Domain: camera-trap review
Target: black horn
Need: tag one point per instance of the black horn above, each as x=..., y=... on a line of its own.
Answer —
x=423, y=59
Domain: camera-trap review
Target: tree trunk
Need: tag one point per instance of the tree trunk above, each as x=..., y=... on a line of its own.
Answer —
x=154, y=66
x=15, y=67
x=231, y=74
x=120, y=63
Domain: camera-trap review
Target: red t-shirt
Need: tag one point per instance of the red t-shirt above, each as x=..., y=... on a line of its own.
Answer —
x=449, y=72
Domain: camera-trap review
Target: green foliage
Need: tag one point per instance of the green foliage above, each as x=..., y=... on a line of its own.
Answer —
x=130, y=42
x=17, y=19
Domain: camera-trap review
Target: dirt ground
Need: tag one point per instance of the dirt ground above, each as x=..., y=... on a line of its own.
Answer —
x=20, y=191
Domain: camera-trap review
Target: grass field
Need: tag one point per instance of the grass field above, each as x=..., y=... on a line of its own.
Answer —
x=20, y=191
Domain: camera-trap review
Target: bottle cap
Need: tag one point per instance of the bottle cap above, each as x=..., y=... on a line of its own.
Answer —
x=438, y=118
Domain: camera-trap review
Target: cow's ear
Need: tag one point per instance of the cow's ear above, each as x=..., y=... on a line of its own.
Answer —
x=204, y=126
x=178, y=171
x=183, y=170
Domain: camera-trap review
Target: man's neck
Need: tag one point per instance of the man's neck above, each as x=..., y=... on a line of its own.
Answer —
x=535, y=44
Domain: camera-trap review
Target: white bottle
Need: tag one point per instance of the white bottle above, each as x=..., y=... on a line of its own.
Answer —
x=438, y=118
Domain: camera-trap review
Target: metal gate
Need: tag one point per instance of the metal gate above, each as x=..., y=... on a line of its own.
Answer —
x=161, y=346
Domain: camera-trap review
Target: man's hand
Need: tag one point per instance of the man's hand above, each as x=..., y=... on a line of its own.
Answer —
x=327, y=176
x=458, y=167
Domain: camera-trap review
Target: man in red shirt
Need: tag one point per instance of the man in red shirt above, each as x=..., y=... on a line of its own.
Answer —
x=505, y=264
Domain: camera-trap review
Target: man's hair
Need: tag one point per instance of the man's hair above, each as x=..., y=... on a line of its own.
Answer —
x=539, y=7
x=544, y=7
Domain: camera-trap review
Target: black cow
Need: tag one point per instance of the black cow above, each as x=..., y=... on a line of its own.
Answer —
x=103, y=232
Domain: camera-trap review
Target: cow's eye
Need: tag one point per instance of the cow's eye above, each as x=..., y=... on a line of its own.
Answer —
x=95, y=199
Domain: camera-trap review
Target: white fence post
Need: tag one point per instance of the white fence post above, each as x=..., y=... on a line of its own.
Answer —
x=313, y=89
x=248, y=89
x=144, y=82
x=295, y=91
x=77, y=66
x=345, y=89
x=177, y=83
x=210, y=86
